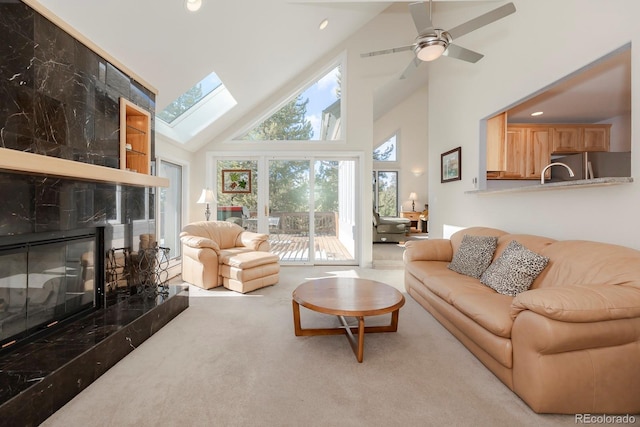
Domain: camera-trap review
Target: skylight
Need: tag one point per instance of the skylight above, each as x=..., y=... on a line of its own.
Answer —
x=190, y=98
x=195, y=109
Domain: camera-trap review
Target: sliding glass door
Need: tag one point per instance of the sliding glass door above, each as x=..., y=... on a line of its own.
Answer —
x=308, y=206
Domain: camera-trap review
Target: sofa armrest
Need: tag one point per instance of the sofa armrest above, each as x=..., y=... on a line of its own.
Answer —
x=198, y=242
x=255, y=241
x=589, y=303
x=428, y=250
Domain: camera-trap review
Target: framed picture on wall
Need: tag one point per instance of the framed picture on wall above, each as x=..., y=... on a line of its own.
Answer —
x=236, y=181
x=451, y=165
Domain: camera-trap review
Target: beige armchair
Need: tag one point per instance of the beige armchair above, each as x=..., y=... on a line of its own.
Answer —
x=216, y=253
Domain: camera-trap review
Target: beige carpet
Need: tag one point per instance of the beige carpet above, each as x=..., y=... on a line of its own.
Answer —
x=388, y=255
x=233, y=360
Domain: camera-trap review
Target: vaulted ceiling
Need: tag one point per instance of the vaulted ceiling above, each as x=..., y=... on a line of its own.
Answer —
x=255, y=46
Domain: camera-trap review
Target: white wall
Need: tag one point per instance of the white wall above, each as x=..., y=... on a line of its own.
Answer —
x=542, y=42
x=409, y=119
x=363, y=76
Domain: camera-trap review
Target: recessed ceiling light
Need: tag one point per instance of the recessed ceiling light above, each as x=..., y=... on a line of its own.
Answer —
x=323, y=24
x=193, y=5
x=537, y=113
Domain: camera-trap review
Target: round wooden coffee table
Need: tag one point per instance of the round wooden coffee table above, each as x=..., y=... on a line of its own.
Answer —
x=352, y=297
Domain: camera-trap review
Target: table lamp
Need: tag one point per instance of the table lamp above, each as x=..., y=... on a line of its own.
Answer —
x=207, y=197
x=413, y=197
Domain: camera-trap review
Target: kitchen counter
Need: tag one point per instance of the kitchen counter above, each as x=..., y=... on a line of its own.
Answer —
x=580, y=183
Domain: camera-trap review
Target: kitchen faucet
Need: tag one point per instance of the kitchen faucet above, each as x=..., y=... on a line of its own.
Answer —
x=553, y=164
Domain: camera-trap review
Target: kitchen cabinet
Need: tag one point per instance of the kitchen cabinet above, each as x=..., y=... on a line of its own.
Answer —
x=580, y=138
x=496, y=142
x=135, y=138
x=527, y=152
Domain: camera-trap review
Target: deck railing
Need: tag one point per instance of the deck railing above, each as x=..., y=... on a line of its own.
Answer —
x=297, y=223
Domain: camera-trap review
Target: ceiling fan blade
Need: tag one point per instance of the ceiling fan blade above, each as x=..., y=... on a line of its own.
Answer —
x=415, y=63
x=455, y=51
x=386, y=51
x=421, y=17
x=482, y=20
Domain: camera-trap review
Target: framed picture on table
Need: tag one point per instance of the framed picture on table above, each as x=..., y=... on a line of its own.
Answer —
x=451, y=165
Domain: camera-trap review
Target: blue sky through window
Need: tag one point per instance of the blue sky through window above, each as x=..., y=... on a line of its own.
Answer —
x=387, y=151
x=321, y=95
x=323, y=111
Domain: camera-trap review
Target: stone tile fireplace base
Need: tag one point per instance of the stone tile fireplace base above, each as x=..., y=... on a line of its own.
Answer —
x=39, y=378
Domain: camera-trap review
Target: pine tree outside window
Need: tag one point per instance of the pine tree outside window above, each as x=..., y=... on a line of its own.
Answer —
x=387, y=151
x=190, y=98
x=313, y=114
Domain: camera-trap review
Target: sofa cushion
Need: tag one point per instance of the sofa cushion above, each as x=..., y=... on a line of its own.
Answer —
x=490, y=310
x=584, y=303
x=514, y=270
x=249, y=259
x=474, y=255
x=445, y=283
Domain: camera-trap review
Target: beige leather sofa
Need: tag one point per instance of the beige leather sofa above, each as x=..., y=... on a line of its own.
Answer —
x=216, y=253
x=570, y=344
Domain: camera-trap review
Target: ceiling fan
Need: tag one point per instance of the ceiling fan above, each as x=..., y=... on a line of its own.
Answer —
x=431, y=42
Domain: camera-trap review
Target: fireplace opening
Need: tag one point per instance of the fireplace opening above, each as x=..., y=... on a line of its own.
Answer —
x=47, y=279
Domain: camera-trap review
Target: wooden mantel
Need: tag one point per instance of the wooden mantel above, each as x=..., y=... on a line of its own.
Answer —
x=37, y=164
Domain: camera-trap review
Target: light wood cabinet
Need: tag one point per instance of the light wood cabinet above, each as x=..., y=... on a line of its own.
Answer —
x=580, y=138
x=538, y=152
x=527, y=152
x=135, y=138
x=496, y=143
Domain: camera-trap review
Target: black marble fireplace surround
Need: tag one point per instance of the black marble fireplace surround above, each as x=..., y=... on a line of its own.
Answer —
x=58, y=98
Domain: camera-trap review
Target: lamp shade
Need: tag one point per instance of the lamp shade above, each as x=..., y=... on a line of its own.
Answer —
x=207, y=196
x=193, y=5
x=413, y=196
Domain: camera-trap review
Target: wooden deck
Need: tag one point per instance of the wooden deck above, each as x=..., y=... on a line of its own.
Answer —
x=295, y=248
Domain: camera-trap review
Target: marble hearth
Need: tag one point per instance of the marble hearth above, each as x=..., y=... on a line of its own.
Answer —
x=37, y=379
x=60, y=172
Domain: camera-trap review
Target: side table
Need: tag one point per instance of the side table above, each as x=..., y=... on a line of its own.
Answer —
x=414, y=217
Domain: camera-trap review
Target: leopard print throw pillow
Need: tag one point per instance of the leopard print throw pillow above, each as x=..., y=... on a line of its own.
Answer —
x=474, y=255
x=514, y=270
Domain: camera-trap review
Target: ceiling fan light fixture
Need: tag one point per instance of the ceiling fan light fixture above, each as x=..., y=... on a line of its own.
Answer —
x=193, y=5
x=431, y=50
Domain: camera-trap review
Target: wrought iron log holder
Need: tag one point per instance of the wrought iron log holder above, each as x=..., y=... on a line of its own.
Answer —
x=144, y=272
x=152, y=272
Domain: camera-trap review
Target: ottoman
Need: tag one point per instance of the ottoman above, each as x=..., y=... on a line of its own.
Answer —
x=247, y=271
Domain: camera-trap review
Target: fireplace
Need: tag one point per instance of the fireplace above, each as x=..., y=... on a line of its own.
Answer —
x=47, y=279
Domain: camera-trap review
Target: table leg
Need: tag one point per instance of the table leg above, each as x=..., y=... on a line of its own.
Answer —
x=360, y=354
x=361, y=329
x=296, y=318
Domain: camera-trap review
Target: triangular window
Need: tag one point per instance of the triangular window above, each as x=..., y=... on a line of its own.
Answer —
x=387, y=151
x=313, y=114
